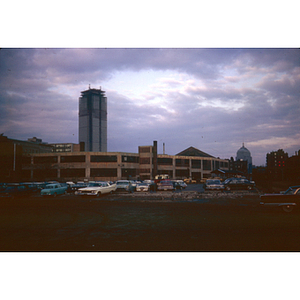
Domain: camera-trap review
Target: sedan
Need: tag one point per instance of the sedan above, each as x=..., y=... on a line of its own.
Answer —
x=75, y=187
x=238, y=184
x=54, y=190
x=165, y=185
x=180, y=184
x=124, y=186
x=142, y=187
x=286, y=200
x=15, y=191
x=97, y=189
x=214, y=184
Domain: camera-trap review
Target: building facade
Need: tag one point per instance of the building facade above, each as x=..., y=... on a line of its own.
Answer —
x=93, y=121
x=239, y=165
x=112, y=166
x=13, y=155
x=276, y=159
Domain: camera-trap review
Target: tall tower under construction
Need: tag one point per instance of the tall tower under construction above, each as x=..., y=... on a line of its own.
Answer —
x=93, y=120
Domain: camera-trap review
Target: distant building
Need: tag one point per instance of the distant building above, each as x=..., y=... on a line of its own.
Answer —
x=65, y=147
x=293, y=167
x=93, y=120
x=276, y=164
x=243, y=154
x=277, y=159
x=14, y=153
x=33, y=145
x=241, y=166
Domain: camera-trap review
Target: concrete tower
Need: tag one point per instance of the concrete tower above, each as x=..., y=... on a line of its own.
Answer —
x=93, y=120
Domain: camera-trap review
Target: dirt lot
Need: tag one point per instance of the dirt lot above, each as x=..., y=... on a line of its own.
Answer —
x=187, y=221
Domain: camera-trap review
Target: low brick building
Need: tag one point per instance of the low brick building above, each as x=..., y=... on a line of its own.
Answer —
x=111, y=166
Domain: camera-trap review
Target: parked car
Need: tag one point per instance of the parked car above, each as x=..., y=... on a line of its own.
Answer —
x=189, y=180
x=3, y=186
x=214, y=184
x=54, y=189
x=142, y=187
x=287, y=200
x=32, y=186
x=73, y=188
x=165, y=185
x=124, y=186
x=238, y=184
x=134, y=183
x=15, y=191
x=97, y=189
x=203, y=180
x=148, y=181
x=180, y=184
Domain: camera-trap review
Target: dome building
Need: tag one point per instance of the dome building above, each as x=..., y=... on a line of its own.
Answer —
x=244, y=154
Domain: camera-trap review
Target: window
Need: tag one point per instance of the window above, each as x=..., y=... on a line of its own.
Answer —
x=217, y=164
x=45, y=159
x=206, y=165
x=128, y=172
x=182, y=162
x=72, y=158
x=72, y=172
x=103, y=158
x=103, y=172
x=42, y=174
x=130, y=159
x=165, y=161
x=196, y=163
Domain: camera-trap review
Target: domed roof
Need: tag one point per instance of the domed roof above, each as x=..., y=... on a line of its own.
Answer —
x=243, y=150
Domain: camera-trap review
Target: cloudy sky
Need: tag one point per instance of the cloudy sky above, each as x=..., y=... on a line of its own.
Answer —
x=212, y=99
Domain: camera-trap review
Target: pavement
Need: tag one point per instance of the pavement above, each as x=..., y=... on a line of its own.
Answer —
x=189, y=220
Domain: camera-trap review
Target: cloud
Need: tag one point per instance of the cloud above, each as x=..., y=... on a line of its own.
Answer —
x=212, y=99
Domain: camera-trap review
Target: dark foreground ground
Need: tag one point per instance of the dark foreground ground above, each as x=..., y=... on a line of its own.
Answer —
x=206, y=222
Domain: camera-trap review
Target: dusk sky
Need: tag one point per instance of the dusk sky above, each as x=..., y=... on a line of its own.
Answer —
x=212, y=99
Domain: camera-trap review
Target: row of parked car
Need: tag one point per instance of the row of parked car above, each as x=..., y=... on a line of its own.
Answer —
x=13, y=190
x=93, y=188
x=229, y=184
x=126, y=186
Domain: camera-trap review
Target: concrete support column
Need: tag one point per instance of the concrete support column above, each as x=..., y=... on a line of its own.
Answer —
x=119, y=167
x=88, y=165
x=58, y=163
x=31, y=167
x=154, y=160
x=174, y=168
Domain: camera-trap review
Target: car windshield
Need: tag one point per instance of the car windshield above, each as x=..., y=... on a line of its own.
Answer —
x=290, y=191
x=216, y=181
x=95, y=184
